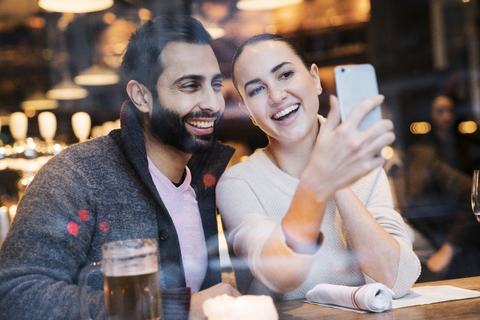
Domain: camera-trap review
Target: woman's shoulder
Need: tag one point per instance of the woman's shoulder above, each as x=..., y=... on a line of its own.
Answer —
x=252, y=164
x=260, y=173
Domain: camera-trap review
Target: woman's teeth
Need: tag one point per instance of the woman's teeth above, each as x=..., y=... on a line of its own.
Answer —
x=201, y=124
x=286, y=111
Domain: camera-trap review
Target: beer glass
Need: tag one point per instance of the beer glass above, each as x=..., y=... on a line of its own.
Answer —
x=131, y=281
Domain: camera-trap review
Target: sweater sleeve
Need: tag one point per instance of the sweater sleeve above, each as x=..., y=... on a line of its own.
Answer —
x=259, y=240
x=46, y=247
x=380, y=205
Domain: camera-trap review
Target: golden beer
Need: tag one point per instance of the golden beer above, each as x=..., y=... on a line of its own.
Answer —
x=136, y=297
x=131, y=281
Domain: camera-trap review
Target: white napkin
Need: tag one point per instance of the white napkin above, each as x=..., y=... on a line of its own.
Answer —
x=374, y=297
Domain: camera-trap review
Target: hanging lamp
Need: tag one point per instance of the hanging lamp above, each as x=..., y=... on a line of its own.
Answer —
x=257, y=5
x=75, y=6
x=38, y=101
x=67, y=90
x=97, y=75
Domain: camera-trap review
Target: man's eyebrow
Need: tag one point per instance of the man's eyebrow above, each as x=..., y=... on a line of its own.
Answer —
x=218, y=76
x=189, y=76
x=274, y=69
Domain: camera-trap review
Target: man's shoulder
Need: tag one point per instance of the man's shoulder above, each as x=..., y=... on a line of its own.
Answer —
x=95, y=147
x=222, y=150
x=100, y=150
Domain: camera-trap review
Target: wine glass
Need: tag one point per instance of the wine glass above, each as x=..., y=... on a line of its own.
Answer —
x=476, y=194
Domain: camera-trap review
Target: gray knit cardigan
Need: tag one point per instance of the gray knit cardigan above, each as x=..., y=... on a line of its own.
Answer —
x=91, y=193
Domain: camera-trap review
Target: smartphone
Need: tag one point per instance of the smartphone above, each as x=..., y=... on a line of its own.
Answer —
x=354, y=84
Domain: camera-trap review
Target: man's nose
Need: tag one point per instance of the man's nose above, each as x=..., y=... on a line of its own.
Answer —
x=211, y=100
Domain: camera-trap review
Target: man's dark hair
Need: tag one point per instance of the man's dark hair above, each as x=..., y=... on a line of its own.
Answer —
x=142, y=62
x=267, y=37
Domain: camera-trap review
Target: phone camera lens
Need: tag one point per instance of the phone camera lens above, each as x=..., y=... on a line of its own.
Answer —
x=343, y=70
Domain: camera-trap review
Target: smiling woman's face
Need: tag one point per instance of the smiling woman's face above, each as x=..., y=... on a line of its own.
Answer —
x=280, y=94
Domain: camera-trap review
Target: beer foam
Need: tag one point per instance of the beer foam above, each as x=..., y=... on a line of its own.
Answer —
x=130, y=266
x=129, y=258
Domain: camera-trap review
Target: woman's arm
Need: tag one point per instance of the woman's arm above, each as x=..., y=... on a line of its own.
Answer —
x=379, y=237
x=377, y=251
x=256, y=237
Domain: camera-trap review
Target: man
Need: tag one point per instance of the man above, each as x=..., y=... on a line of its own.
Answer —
x=154, y=178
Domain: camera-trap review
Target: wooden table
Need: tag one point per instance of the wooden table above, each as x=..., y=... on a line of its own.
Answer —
x=457, y=309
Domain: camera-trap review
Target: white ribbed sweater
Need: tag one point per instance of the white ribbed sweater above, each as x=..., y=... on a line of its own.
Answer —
x=253, y=197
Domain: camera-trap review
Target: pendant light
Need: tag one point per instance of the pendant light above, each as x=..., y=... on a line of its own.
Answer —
x=257, y=5
x=47, y=125
x=18, y=122
x=38, y=101
x=97, y=75
x=75, y=6
x=215, y=31
x=81, y=124
x=67, y=90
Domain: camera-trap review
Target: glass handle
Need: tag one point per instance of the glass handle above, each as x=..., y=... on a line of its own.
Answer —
x=82, y=288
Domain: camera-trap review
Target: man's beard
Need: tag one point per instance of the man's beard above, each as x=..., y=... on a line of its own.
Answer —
x=168, y=127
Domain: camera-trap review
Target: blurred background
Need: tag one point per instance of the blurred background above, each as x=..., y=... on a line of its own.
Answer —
x=61, y=81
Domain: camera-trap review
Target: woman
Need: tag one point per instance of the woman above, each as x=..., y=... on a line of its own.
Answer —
x=314, y=206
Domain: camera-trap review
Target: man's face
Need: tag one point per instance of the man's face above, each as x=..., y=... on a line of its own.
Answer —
x=189, y=106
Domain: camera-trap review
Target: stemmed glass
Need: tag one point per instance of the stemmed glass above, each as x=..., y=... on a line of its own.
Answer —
x=476, y=194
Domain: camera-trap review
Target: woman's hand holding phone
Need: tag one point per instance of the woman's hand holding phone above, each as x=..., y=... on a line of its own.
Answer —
x=342, y=153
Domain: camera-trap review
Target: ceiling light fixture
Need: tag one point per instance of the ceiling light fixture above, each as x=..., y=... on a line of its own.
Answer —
x=81, y=124
x=215, y=32
x=257, y=5
x=38, y=101
x=75, y=6
x=67, y=90
x=97, y=75
x=212, y=28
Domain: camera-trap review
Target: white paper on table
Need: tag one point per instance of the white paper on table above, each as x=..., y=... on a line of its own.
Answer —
x=433, y=294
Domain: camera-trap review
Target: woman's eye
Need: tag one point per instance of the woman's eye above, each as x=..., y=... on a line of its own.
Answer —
x=286, y=74
x=217, y=86
x=255, y=91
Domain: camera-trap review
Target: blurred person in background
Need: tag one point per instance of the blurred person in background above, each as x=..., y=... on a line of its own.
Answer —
x=437, y=198
x=444, y=138
x=153, y=178
x=314, y=206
